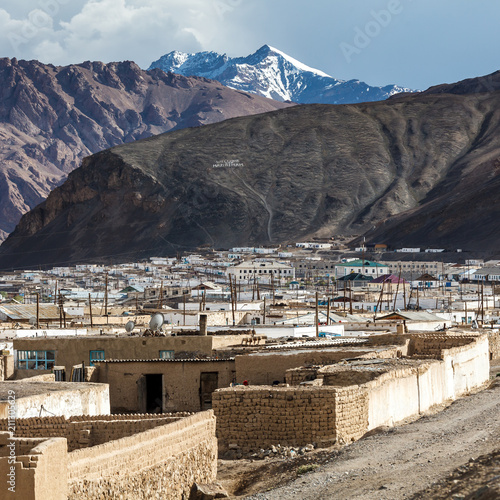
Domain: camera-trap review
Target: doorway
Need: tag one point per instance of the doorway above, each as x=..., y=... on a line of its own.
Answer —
x=153, y=393
x=209, y=381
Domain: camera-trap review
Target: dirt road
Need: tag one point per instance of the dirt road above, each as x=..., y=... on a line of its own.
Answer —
x=403, y=461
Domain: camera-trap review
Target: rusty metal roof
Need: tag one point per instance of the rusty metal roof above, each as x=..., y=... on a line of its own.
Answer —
x=23, y=312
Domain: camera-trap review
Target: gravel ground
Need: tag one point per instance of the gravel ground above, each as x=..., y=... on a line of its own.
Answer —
x=410, y=460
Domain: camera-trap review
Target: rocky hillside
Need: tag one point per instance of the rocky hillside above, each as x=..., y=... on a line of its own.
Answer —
x=269, y=72
x=52, y=117
x=432, y=160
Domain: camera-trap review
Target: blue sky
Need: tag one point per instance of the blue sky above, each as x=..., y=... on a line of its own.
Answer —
x=413, y=43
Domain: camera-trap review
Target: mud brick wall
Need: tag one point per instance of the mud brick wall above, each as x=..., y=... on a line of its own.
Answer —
x=163, y=462
x=296, y=376
x=86, y=431
x=258, y=417
x=436, y=345
x=494, y=341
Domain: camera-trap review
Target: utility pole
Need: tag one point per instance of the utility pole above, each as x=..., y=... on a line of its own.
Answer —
x=60, y=311
x=264, y=318
x=55, y=294
x=397, y=289
x=317, y=316
x=106, y=298
x=184, y=310
x=37, y=311
x=328, y=311
x=90, y=309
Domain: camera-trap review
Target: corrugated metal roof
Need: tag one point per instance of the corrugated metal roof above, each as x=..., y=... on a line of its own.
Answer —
x=413, y=316
x=23, y=312
x=163, y=360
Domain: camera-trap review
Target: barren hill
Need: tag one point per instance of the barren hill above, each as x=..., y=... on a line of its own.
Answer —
x=52, y=117
x=296, y=173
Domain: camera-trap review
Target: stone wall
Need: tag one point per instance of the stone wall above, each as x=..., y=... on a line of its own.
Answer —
x=257, y=417
x=86, y=431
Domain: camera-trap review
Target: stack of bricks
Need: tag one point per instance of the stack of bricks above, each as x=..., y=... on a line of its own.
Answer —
x=258, y=417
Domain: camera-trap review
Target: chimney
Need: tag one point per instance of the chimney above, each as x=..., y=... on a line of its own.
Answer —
x=203, y=324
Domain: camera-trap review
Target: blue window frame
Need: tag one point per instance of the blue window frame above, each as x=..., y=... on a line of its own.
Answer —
x=96, y=356
x=167, y=355
x=36, y=360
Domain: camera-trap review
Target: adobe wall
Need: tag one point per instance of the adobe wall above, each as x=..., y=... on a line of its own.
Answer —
x=87, y=431
x=6, y=366
x=264, y=368
x=181, y=382
x=494, y=340
x=39, y=468
x=163, y=462
x=77, y=399
x=73, y=350
x=362, y=396
x=258, y=417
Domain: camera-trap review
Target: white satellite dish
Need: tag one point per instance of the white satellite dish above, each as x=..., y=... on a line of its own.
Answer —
x=129, y=326
x=156, y=322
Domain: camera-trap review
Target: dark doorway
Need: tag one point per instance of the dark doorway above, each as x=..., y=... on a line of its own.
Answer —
x=154, y=392
x=209, y=381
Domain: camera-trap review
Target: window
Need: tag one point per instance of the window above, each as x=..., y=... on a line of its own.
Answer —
x=96, y=356
x=36, y=360
x=167, y=355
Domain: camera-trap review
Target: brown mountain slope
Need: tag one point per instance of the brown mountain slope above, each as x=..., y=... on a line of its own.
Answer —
x=279, y=177
x=52, y=117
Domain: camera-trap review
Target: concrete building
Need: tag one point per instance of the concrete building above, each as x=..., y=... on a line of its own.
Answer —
x=262, y=271
x=360, y=266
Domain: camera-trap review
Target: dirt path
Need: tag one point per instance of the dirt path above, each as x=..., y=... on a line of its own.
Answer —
x=402, y=461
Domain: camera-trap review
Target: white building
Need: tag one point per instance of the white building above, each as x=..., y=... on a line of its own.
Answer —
x=262, y=271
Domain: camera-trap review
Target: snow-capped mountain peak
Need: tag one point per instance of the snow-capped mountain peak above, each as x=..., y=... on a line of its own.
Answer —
x=272, y=73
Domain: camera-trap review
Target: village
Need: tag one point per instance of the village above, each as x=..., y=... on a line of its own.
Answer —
x=228, y=355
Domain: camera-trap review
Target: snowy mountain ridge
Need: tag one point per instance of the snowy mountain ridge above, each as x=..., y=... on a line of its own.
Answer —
x=269, y=72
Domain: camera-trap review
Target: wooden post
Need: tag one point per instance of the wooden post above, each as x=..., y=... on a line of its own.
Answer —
x=37, y=311
x=317, y=316
x=60, y=311
x=106, y=299
x=264, y=319
x=90, y=309
x=184, y=310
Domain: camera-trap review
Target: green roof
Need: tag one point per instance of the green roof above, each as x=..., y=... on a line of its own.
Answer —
x=361, y=263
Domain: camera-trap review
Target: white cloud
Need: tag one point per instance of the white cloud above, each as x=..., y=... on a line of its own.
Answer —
x=111, y=30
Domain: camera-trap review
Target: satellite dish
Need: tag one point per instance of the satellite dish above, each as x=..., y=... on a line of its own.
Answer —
x=32, y=321
x=129, y=326
x=156, y=322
